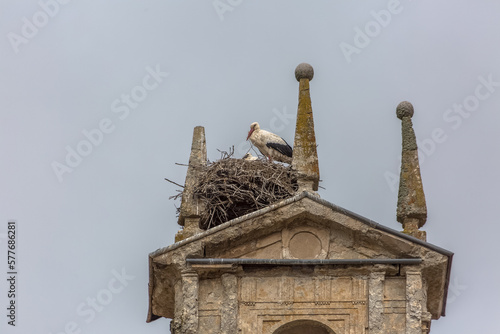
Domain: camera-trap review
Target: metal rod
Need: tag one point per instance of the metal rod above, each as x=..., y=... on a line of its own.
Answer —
x=307, y=262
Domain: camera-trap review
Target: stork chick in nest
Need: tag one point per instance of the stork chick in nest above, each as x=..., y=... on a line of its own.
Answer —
x=270, y=144
x=249, y=157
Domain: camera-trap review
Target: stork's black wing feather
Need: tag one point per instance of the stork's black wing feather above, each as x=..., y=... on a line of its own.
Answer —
x=284, y=149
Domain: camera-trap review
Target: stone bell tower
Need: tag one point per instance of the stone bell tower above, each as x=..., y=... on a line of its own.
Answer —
x=302, y=264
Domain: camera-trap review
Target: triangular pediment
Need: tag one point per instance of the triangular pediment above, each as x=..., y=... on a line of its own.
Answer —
x=301, y=237
x=301, y=227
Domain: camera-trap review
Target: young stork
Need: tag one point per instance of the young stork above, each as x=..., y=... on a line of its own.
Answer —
x=270, y=144
x=249, y=157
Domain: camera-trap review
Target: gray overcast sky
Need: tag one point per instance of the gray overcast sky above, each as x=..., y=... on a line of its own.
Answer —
x=98, y=102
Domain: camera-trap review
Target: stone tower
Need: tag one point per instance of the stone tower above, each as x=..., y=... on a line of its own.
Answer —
x=302, y=265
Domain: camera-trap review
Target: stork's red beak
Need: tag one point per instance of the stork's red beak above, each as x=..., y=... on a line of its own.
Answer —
x=250, y=133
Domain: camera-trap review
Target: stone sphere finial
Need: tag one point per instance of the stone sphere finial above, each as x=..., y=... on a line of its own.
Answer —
x=404, y=109
x=304, y=71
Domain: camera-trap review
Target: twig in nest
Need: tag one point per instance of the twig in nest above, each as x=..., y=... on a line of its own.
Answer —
x=174, y=183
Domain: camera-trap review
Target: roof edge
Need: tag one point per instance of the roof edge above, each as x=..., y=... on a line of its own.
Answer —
x=290, y=200
x=378, y=226
x=151, y=317
x=230, y=223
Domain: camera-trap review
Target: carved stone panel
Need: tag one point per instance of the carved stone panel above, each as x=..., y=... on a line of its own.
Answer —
x=306, y=242
x=210, y=300
x=209, y=323
x=339, y=303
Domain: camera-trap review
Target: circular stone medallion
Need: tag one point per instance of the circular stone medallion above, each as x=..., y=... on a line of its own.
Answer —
x=305, y=245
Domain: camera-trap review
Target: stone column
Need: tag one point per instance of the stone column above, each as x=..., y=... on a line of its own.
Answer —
x=305, y=155
x=414, y=300
x=189, y=323
x=229, y=309
x=376, y=303
x=191, y=208
x=412, y=210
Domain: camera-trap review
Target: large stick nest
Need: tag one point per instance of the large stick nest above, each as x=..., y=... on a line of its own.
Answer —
x=229, y=188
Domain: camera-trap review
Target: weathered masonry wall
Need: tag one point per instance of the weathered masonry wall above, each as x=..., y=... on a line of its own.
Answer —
x=263, y=303
x=301, y=265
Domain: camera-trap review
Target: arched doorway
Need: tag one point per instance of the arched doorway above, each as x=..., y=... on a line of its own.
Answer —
x=304, y=327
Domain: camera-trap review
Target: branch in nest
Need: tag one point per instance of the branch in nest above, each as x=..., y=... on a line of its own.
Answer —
x=174, y=183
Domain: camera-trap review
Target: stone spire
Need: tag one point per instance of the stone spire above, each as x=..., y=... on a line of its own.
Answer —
x=191, y=209
x=412, y=211
x=305, y=156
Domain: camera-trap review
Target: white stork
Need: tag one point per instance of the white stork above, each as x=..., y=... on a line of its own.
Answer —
x=270, y=144
x=249, y=157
